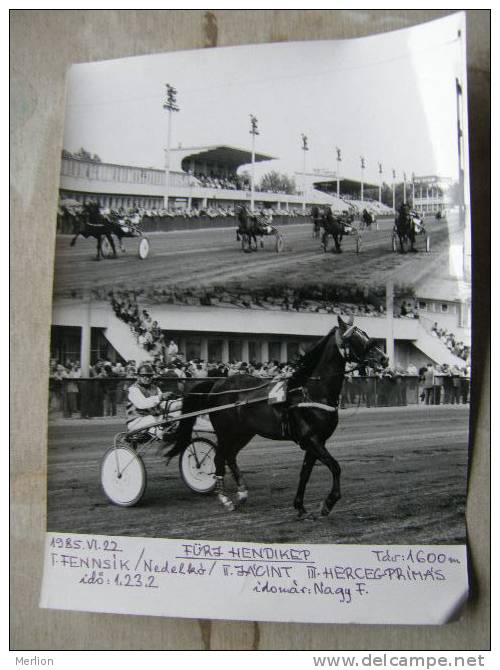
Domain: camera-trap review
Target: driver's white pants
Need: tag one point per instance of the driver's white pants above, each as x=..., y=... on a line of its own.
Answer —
x=145, y=422
x=174, y=409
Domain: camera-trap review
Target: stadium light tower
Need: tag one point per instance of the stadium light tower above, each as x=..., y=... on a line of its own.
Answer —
x=380, y=183
x=170, y=105
x=253, y=132
x=305, y=149
x=339, y=161
x=394, y=190
x=363, y=165
x=462, y=219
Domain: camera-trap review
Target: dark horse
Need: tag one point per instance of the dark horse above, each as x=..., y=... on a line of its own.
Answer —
x=248, y=229
x=404, y=228
x=308, y=414
x=334, y=226
x=367, y=218
x=91, y=223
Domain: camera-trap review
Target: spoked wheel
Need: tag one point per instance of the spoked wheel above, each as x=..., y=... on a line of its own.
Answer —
x=279, y=243
x=358, y=243
x=123, y=476
x=394, y=242
x=246, y=243
x=143, y=248
x=427, y=243
x=197, y=465
x=106, y=248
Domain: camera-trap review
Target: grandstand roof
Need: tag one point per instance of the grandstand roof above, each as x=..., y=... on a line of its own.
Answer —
x=222, y=154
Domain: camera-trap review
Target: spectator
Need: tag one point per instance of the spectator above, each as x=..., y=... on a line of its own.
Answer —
x=428, y=379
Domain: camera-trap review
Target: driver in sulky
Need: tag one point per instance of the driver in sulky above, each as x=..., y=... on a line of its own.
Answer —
x=147, y=403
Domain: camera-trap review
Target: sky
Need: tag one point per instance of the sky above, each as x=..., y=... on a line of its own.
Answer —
x=390, y=98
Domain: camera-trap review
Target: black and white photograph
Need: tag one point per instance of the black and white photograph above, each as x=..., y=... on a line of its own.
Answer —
x=261, y=326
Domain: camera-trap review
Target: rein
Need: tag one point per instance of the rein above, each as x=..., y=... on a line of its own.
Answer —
x=210, y=393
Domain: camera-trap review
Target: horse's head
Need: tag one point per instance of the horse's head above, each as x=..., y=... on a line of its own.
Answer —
x=358, y=346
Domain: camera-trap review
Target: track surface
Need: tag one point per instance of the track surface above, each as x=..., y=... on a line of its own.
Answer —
x=207, y=257
x=403, y=481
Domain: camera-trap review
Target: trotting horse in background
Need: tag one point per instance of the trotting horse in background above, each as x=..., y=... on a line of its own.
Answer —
x=333, y=226
x=307, y=414
x=247, y=230
x=90, y=223
x=404, y=227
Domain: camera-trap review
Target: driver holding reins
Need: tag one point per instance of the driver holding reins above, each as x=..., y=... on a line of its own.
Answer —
x=146, y=402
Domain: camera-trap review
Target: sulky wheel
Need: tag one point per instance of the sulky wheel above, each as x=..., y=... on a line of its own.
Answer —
x=279, y=244
x=143, y=248
x=394, y=242
x=358, y=243
x=427, y=243
x=106, y=248
x=123, y=476
x=197, y=465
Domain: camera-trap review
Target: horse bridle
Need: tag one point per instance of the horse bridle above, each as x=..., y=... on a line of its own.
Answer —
x=347, y=354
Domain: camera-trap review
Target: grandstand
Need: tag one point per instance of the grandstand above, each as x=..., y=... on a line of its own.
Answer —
x=86, y=330
x=200, y=178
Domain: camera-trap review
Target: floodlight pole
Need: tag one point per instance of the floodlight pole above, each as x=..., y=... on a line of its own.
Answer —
x=253, y=132
x=380, y=183
x=339, y=160
x=305, y=148
x=170, y=105
x=394, y=190
x=461, y=180
x=404, y=188
x=362, y=177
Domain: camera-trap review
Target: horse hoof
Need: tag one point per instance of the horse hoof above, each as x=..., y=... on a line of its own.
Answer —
x=242, y=496
x=324, y=509
x=227, y=502
x=301, y=513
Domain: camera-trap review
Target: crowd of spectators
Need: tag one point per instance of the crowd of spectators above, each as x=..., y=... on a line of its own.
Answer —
x=104, y=392
x=318, y=299
x=146, y=331
x=444, y=384
x=453, y=344
x=406, y=309
x=136, y=214
x=429, y=385
x=231, y=182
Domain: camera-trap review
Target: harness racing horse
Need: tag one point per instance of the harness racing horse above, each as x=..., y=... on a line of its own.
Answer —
x=247, y=230
x=308, y=415
x=334, y=226
x=404, y=228
x=91, y=223
x=367, y=218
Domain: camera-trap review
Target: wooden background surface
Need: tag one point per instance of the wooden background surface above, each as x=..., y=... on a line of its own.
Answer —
x=43, y=44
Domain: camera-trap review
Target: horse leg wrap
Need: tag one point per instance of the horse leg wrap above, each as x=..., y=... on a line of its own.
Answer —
x=242, y=494
x=226, y=501
x=222, y=495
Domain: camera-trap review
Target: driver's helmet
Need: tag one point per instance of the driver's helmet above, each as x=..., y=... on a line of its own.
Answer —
x=145, y=369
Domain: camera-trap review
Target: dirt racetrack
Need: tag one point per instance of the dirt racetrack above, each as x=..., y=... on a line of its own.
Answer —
x=403, y=481
x=206, y=257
